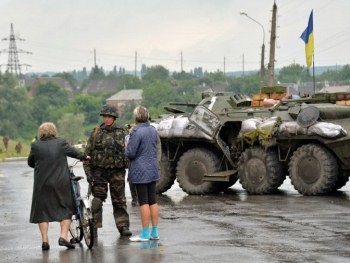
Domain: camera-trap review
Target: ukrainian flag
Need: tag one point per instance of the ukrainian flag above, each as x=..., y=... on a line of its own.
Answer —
x=308, y=37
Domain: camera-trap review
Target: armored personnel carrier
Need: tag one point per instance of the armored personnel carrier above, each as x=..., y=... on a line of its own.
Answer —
x=223, y=139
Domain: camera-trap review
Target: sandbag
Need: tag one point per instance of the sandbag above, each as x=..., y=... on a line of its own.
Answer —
x=164, y=127
x=326, y=129
x=250, y=124
x=291, y=128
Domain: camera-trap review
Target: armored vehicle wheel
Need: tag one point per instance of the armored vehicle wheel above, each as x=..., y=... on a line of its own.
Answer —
x=313, y=170
x=167, y=175
x=191, y=168
x=342, y=179
x=260, y=171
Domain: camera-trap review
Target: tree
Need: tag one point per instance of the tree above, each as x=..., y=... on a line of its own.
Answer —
x=156, y=73
x=156, y=94
x=86, y=104
x=69, y=77
x=71, y=127
x=143, y=70
x=127, y=112
x=127, y=81
x=247, y=85
x=97, y=73
x=48, y=99
x=294, y=73
x=14, y=108
x=345, y=73
x=182, y=76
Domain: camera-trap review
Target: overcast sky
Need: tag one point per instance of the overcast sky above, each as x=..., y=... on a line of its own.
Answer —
x=62, y=34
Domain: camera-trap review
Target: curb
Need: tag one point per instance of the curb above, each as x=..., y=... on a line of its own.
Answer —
x=13, y=159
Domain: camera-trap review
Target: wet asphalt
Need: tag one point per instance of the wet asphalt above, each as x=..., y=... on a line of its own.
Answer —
x=228, y=227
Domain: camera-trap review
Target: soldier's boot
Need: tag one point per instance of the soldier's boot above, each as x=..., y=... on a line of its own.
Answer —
x=96, y=208
x=121, y=219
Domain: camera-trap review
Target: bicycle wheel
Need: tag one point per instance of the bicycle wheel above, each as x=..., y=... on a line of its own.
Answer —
x=87, y=226
x=75, y=230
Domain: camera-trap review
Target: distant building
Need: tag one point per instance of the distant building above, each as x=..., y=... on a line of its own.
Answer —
x=124, y=96
x=333, y=89
x=109, y=85
x=33, y=84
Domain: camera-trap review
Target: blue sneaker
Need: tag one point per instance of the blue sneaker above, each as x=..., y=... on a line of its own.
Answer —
x=154, y=237
x=138, y=238
x=154, y=233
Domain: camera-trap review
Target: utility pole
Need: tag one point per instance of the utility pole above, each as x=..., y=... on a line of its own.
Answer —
x=182, y=69
x=135, y=63
x=95, y=58
x=262, y=60
x=13, y=64
x=224, y=66
x=271, y=65
x=243, y=64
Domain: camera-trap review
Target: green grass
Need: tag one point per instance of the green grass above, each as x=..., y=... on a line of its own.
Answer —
x=11, y=152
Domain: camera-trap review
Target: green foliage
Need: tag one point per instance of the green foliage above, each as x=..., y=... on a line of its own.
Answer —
x=127, y=110
x=14, y=106
x=247, y=85
x=156, y=73
x=97, y=73
x=345, y=72
x=182, y=76
x=156, y=93
x=48, y=99
x=20, y=114
x=69, y=77
x=186, y=91
x=216, y=76
x=11, y=152
x=71, y=127
x=86, y=104
x=294, y=73
x=127, y=81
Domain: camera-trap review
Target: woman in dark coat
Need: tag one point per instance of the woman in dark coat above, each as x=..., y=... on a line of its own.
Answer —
x=52, y=193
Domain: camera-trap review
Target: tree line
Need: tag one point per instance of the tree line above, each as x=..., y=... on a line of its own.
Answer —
x=77, y=113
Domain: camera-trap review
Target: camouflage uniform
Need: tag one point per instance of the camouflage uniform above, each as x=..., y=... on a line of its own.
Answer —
x=107, y=166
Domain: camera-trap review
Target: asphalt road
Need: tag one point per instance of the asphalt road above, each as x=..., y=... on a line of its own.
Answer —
x=229, y=227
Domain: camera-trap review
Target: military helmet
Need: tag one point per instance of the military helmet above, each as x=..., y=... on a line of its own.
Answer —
x=109, y=110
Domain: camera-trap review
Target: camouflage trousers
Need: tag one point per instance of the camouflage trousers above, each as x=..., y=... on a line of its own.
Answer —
x=115, y=179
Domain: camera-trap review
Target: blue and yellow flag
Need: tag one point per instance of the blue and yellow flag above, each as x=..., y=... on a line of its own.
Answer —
x=308, y=37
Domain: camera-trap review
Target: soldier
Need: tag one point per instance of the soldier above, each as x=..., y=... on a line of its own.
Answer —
x=18, y=147
x=5, y=139
x=107, y=167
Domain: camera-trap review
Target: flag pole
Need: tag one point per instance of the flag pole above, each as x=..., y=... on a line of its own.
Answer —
x=313, y=72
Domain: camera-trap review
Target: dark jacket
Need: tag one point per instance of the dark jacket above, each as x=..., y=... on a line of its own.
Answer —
x=106, y=146
x=142, y=154
x=52, y=193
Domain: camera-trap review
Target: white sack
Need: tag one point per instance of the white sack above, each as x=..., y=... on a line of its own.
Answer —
x=326, y=129
x=250, y=124
x=291, y=128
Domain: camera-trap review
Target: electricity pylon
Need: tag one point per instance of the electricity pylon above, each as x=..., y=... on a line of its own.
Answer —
x=13, y=64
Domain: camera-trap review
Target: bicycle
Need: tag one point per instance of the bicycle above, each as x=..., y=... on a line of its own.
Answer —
x=82, y=223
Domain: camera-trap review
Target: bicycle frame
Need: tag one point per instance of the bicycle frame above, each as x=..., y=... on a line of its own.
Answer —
x=82, y=223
